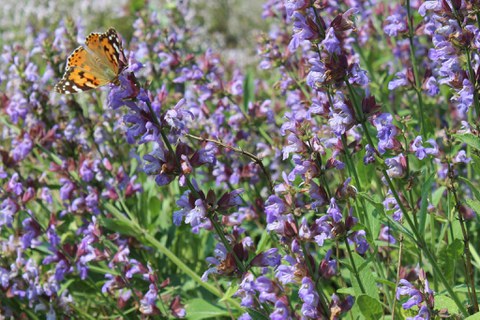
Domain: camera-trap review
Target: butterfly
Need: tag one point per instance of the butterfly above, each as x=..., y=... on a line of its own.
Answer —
x=96, y=64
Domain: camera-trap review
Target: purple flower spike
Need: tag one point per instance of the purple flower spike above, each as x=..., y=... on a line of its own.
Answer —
x=309, y=297
x=406, y=288
x=334, y=212
x=271, y=258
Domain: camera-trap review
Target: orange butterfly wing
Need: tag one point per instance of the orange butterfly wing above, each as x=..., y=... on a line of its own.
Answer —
x=98, y=63
x=108, y=48
x=81, y=73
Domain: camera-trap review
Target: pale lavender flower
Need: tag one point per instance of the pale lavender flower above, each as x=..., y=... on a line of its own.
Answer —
x=185, y=208
x=280, y=312
x=266, y=289
x=286, y=273
x=8, y=208
x=317, y=75
x=386, y=132
x=464, y=99
x=342, y=117
x=429, y=5
x=390, y=203
x=178, y=117
x=197, y=217
x=361, y=244
x=331, y=43
x=357, y=75
x=430, y=86
x=301, y=31
x=396, y=23
x=333, y=211
x=461, y=157
x=420, y=151
x=22, y=148
x=385, y=235
x=406, y=288
x=246, y=291
x=14, y=185
x=396, y=166
x=399, y=81
x=310, y=298
x=149, y=300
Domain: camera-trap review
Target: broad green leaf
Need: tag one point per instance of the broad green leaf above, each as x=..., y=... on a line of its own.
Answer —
x=464, y=289
x=470, y=139
x=475, y=257
x=475, y=163
x=444, y=302
x=348, y=290
x=366, y=277
x=474, y=189
x=370, y=307
x=474, y=204
x=448, y=257
x=437, y=195
x=229, y=293
x=391, y=284
x=475, y=316
x=378, y=205
x=200, y=309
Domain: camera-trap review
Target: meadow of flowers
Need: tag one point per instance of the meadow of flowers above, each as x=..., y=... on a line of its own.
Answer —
x=333, y=175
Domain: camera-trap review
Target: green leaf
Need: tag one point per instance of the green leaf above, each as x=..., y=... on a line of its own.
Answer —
x=119, y=226
x=470, y=139
x=377, y=204
x=200, y=309
x=444, y=302
x=475, y=316
x=426, y=190
x=391, y=284
x=230, y=292
x=370, y=307
x=448, y=256
x=475, y=257
x=366, y=278
x=462, y=288
x=438, y=195
x=474, y=190
x=474, y=205
x=256, y=315
x=475, y=163
x=348, y=290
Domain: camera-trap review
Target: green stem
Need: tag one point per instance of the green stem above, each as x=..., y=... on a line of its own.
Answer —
x=354, y=267
x=225, y=242
x=418, y=84
x=466, y=241
x=214, y=221
x=471, y=75
x=423, y=247
x=182, y=266
x=419, y=240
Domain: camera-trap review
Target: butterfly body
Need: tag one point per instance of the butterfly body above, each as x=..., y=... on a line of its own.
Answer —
x=97, y=63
